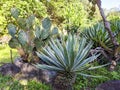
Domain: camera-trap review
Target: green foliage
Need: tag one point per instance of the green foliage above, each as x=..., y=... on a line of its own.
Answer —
x=98, y=35
x=5, y=54
x=32, y=85
x=26, y=34
x=68, y=57
x=25, y=9
x=83, y=82
x=115, y=26
x=8, y=83
x=69, y=15
x=75, y=16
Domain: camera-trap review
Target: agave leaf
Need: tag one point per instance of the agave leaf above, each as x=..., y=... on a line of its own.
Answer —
x=49, y=60
x=58, y=52
x=63, y=50
x=46, y=24
x=41, y=55
x=81, y=47
x=52, y=56
x=60, y=46
x=22, y=37
x=70, y=51
x=86, y=61
x=86, y=75
x=105, y=47
x=83, y=62
x=52, y=68
x=13, y=43
x=83, y=54
x=66, y=55
x=11, y=29
x=92, y=68
x=15, y=12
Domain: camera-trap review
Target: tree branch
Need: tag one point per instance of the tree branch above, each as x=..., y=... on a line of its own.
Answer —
x=107, y=24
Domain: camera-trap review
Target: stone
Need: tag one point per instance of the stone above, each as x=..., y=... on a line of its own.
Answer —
x=22, y=70
x=110, y=85
x=29, y=71
x=18, y=62
x=9, y=69
x=47, y=76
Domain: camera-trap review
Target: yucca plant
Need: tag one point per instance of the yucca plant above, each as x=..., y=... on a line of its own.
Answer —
x=68, y=59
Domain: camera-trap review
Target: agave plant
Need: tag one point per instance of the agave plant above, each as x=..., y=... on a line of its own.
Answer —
x=98, y=35
x=67, y=58
x=101, y=39
x=26, y=36
x=115, y=26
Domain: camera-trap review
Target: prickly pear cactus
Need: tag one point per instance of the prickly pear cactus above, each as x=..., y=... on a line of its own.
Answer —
x=26, y=35
x=44, y=33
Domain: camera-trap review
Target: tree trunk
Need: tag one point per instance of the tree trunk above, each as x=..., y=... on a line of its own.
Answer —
x=107, y=24
x=62, y=82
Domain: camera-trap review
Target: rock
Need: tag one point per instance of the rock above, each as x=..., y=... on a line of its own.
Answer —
x=18, y=62
x=47, y=76
x=29, y=71
x=22, y=70
x=110, y=85
x=9, y=69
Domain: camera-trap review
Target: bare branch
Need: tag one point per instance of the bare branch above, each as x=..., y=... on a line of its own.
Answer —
x=100, y=50
x=107, y=24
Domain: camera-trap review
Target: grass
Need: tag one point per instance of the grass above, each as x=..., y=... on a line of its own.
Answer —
x=5, y=53
x=8, y=83
x=83, y=82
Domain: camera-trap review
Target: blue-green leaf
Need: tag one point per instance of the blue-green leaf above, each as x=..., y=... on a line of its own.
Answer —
x=15, y=12
x=22, y=37
x=46, y=24
x=11, y=29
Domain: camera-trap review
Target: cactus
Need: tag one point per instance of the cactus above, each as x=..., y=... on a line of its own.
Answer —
x=26, y=35
x=43, y=34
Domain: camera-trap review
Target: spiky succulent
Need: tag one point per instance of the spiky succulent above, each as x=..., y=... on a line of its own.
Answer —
x=68, y=57
x=98, y=35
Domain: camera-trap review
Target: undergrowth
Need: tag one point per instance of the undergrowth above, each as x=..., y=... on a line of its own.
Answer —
x=5, y=53
x=90, y=82
x=8, y=83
